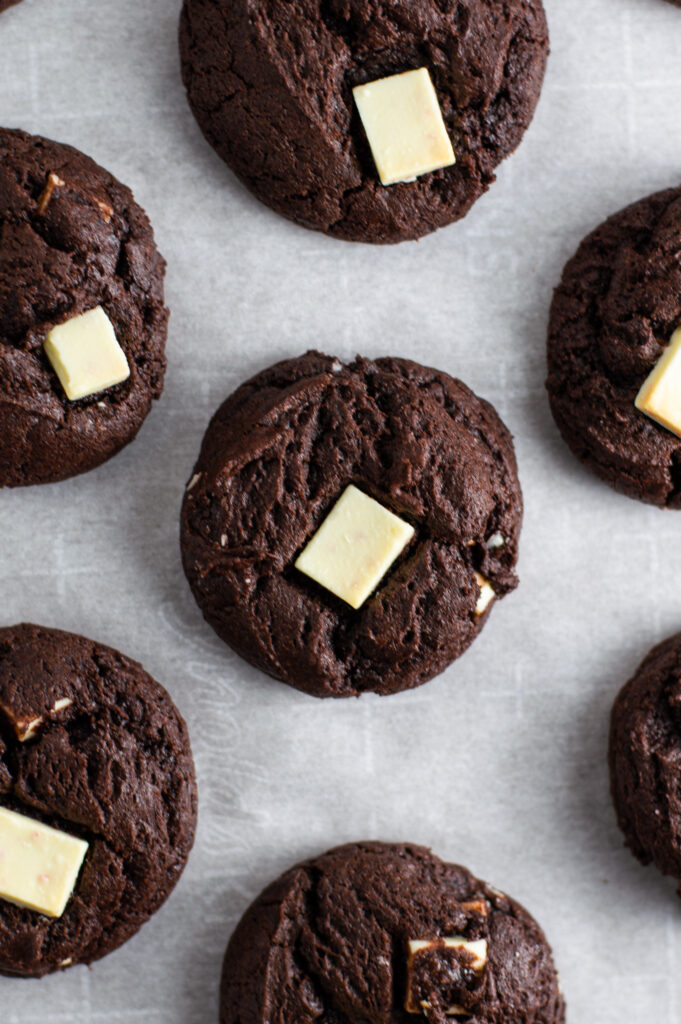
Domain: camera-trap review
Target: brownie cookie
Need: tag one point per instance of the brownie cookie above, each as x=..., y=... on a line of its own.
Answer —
x=333, y=940
x=72, y=239
x=270, y=85
x=92, y=746
x=644, y=756
x=5, y=4
x=276, y=458
x=615, y=310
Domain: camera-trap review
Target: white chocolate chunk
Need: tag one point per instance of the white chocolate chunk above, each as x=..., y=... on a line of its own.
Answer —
x=39, y=865
x=354, y=547
x=85, y=354
x=660, y=394
x=496, y=541
x=403, y=123
x=416, y=945
x=476, y=949
x=26, y=730
x=25, y=725
x=486, y=595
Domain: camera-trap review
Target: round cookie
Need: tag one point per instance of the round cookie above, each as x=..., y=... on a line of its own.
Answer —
x=66, y=249
x=617, y=306
x=644, y=757
x=91, y=745
x=276, y=458
x=329, y=941
x=5, y=4
x=271, y=88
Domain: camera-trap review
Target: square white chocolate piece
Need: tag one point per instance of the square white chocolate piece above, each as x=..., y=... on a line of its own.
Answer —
x=403, y=123
x=476, y=949
x=354, y=547
x=85, y=354
x=660, y=395
x=486, y=595
x=39, y=865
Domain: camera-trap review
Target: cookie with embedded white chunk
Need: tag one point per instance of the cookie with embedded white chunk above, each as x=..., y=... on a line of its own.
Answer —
x=82, y=320
x=614, y=351
x=97, y=799
x=350, y=527
x=370, y=120
x=387, y=932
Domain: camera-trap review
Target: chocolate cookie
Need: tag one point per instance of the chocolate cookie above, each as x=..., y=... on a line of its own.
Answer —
x=644, y=755
x=72, y=239
x=4, y=4
x=271, y=88
x=92, y=746
x=613, y=313
x=333, y=940
x=277, y=457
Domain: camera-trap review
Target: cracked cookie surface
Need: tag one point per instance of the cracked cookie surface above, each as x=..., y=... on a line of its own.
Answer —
x=277, y=456
x=615, y=309
x=270, y=85
x=64, y=250
x=92, y=745
x=644, y=757
x=328, y=941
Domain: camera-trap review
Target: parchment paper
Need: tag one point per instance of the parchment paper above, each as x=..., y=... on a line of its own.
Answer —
x=499, y=763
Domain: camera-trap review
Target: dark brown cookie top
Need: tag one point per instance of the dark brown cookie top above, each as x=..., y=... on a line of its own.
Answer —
x=105, y=756
x=82, y=244
x=275, y=459
x=270, y=85
x=644, y=756
x=614, y=311
x=328, y=941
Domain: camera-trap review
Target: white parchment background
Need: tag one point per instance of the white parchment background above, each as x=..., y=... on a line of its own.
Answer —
x=499, y=763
